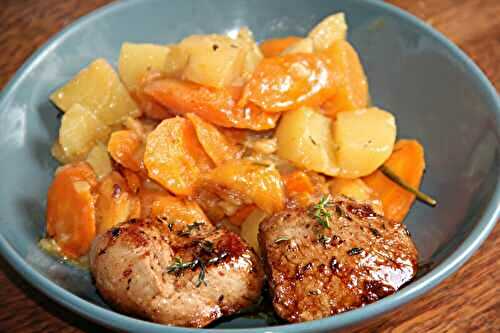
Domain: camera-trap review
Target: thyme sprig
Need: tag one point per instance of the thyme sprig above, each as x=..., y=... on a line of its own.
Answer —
x=320, y=212
x=281, y=239
x=189, y=229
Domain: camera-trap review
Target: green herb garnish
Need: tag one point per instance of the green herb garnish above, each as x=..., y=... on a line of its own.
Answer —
x=420, y=195
x=281, y=239
x=190, y=227
x=320, y=213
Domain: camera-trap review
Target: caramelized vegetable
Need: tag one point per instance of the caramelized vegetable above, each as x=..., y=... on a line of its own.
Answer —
x=297, y=182
x=241, y=214
x=288, y=82
x=115, y=204
x=214, y=105
x=351, y=85
x=177, y=209
x=133, y=180
x=147, y=104
x=352, y=188
x=174, y=156
x=260, y=183
x=71, y=209
x=125, y=147
x=329, y=30
x=273, y=47
x=407, y=161
x=215, y=144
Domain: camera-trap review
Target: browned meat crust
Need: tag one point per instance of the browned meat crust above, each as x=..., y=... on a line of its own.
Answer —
x=315, y=272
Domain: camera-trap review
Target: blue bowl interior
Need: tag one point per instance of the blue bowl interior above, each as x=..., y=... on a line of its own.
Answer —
x=436, y=94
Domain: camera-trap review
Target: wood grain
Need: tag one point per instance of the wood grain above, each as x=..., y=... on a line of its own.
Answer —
x=468, y=301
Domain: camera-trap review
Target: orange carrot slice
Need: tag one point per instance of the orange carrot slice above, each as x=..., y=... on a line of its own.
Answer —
x=351, y=86
x=71, y=209
x=174, y=157
x=214, y=142
x=289, y=81
x=216, y=106
x=407, y=161
x=273, y=47
x=297, y=182
x=126, y=148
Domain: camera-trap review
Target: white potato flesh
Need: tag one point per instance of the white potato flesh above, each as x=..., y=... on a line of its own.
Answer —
x=250, y=228
x=175, y=61
x=137, y=59
x=332, y=28
x=352, y=188
x=80, y=130
x=305, y=138
x=98, y=89
x=305, y=45
x=99, y=160
x=253, y=54
x=214, y=60
x=364, y=140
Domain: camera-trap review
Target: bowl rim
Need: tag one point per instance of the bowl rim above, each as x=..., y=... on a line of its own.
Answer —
x=112, y=319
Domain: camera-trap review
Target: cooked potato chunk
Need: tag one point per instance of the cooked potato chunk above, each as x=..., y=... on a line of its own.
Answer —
x=175, y=61
x=136, y=59
x=364, y=140
x=253, y=55
x=98, y=89
x=305, y=138
x=214, y=60
x=332, y=28
x=353, y=188
x=250, y=228
x=80, y=130
x=99, y=160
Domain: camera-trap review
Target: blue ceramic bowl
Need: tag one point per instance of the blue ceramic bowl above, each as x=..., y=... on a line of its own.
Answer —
x=438, y=95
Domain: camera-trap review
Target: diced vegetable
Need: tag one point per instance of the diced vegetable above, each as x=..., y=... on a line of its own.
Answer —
x=126, y=148
x=79, y=131
x=178, y=210
x=114, y=202
x=98, y=159
x=98, y=89
x=137, y=59
x=176, y=61
x=351, y=85
x=305, y=45
x=253, y=55
x=174, y=156
x=274, y=47
x=407, y=161
x=58, y=153
x=305, y=138
x=288, y=82
x=260, y=183
x=133, y=180
x=298, y=182
x=71, y=209
x=214, y=105
x=213, y=60
x=147, y=104
x=241, y=214
x=214, y=143
x=364, y=140
x=250, y=228
x=331, y=29
x=353, y=188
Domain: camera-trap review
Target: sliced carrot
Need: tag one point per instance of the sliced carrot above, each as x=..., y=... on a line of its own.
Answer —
x=289, y=81
x=351, y=85
x=114, y=202
x=174, y=157
x=407, y=161
x=297, y=182
x=217, y=106
x=214, y=142
x=176, y=209
x=259, y=183
x=273, y=47
x=126, y=148
x=146, y=103
x=133, y=180
x=241, y=214
x=147, y=198
x=71, y=209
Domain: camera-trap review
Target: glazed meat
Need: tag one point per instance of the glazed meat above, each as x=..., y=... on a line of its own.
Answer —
x=315, y=270
x=175, y=273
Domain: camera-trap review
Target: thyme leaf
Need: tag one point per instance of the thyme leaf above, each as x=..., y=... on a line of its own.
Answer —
x=320, y=213
x=281, y=239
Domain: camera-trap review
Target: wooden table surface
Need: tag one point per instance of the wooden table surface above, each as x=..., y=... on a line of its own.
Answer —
x=468, y=301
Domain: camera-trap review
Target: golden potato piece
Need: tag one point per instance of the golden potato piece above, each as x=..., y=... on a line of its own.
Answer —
x=331, y=29
x=99, y=160
x=365, y=139
x=305, y=138
x=136, y=59
x=253, y=54
x=214, y=60
x=80, y=130
x=98, y=89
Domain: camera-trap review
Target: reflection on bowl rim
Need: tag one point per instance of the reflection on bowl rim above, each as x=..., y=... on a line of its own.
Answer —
x=114, y=319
